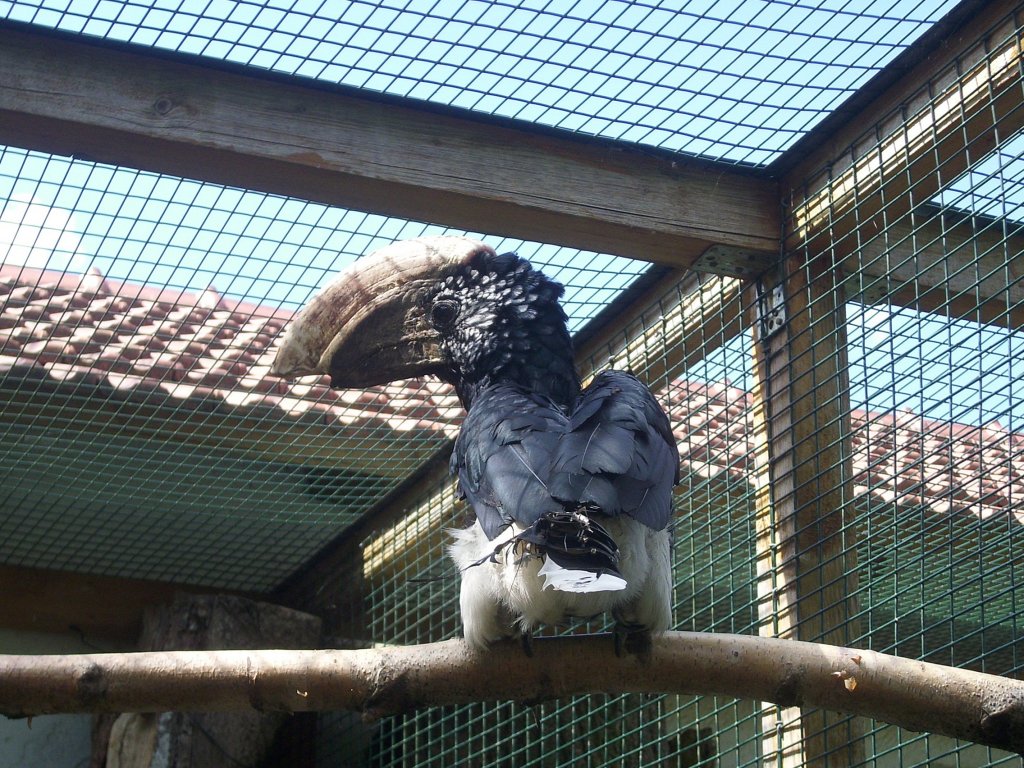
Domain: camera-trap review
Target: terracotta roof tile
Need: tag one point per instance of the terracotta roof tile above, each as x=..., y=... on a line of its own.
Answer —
x=131, y=336
x=897, y=457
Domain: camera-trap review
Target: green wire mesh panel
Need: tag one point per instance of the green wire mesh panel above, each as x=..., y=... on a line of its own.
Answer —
x=930, y=442
x=140, y=314
x=850, y=425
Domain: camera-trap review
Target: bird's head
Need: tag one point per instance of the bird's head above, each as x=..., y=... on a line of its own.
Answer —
x=445, y=306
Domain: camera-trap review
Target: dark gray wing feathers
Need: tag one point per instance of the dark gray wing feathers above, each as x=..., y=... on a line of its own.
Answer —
x=502, y=457
x=619, y=454
x=519, y=456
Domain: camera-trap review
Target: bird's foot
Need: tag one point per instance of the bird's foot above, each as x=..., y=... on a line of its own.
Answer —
x=527, y=641
x=631, y=638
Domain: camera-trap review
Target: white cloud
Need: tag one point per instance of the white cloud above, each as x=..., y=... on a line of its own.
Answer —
x=34, y=235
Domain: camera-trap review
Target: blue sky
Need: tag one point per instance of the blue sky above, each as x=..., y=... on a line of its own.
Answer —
x=737, y=81
x=904, y=360
x=950, y=370
x=135, y=226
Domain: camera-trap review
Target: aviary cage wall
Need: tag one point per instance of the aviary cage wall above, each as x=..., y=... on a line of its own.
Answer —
x=835, y=335
x=848, y=422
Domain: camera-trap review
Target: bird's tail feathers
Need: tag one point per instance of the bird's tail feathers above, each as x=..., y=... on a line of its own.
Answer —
x=579, y=554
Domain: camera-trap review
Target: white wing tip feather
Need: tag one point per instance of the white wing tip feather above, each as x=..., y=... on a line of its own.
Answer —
x=580, y=582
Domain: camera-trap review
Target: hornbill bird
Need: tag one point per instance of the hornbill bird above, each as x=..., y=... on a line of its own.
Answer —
x=572, y=489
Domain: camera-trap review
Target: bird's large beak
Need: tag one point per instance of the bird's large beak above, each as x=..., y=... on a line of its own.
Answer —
x=369, y=326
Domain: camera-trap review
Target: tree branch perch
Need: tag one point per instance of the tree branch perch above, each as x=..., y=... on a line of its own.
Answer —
x=987, y=709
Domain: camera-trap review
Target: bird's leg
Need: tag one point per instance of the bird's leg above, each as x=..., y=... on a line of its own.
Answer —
x=527, y=641
x=631, y=638
x=620, y=633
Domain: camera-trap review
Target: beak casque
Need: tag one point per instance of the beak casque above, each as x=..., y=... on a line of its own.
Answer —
x=368, y=325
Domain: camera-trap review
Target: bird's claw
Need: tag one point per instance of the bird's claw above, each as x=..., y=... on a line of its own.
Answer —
x=631, y=638
x=527, y=641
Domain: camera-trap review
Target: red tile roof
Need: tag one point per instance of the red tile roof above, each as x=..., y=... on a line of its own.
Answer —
x=184, y=345
x=898, y=457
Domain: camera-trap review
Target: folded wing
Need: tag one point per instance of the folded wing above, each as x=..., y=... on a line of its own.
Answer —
x=618, y=453
x=519, y=457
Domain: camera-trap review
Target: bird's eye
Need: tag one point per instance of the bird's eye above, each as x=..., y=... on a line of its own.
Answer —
x=443, y=314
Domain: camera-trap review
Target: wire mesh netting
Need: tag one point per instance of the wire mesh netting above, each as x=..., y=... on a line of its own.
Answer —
x=735, y=81
x=139, y=317
x=906, y=496
x=927, y=441
x=851, y=446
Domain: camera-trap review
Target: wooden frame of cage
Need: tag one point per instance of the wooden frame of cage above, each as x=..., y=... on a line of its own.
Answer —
x=174, y=114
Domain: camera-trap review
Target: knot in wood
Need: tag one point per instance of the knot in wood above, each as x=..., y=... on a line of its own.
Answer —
x=163, y=105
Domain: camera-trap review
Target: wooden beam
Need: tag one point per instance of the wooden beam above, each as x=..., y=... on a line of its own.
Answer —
x=912, y=140
x=106, y=610
x=198, y=118
x=806, y=560
x=963, y=267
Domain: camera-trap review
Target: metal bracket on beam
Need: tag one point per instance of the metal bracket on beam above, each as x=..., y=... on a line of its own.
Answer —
x=771, y=309
x=734, y=262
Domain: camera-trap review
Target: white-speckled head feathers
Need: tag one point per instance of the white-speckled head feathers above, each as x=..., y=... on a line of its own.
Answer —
x=505, y=323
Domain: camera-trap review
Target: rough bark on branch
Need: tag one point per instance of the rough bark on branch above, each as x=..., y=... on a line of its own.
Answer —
x=382, y=681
